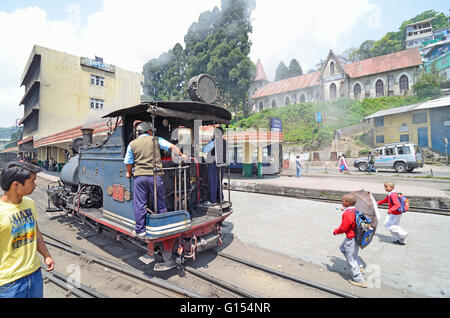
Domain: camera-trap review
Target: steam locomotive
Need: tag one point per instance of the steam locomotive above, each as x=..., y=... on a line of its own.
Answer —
x=94, y=187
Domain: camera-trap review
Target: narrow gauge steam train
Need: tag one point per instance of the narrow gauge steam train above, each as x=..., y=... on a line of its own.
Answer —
x=94, y=187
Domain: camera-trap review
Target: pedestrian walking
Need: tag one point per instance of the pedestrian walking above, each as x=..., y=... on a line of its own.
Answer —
x=298, y=166
x=371, y=162
x=392, y=222
x=349, y=247
x=20, y=238
x=342, y=162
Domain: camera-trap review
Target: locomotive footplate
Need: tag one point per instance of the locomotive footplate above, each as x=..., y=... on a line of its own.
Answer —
x=213, y=210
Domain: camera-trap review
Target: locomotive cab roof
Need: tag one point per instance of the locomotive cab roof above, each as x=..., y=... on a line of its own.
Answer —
x=187, y=111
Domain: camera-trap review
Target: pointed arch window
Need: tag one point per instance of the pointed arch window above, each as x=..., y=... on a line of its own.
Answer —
x=357, y=90
x=274, y=103
x=287, y=101
x=379, y=88
x=404, y=84
x=333, y=91
x=332, y=70
x=302, y=98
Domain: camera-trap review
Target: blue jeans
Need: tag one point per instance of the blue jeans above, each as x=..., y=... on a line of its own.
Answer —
x=299, y=172
x=143, y=190
x=30, y=286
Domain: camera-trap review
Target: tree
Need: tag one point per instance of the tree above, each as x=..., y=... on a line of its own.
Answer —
x=217, y=44
x=282, y=72
x=429, y=84
x=295, y=69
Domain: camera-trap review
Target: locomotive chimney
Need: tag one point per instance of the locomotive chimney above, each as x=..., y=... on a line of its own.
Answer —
x=87, y=136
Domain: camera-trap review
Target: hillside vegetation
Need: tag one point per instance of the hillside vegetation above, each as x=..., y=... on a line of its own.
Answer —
x=299, y=120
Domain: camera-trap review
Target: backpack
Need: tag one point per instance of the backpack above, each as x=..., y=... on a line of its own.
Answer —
x=404, y=203
x=364, y=230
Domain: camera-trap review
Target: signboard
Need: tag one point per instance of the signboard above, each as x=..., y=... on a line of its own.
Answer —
x=97, y=64
x=319, y=117
x=276, y=125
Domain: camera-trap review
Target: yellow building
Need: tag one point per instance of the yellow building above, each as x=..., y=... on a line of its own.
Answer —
x=426, y=124
x=64, y=91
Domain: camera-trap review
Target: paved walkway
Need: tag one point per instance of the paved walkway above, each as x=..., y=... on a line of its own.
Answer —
x=411, y=187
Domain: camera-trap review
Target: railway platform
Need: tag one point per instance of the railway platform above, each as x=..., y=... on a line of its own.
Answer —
x=422, y=192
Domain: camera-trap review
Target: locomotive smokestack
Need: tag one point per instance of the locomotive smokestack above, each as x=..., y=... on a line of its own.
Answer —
x=87, y=136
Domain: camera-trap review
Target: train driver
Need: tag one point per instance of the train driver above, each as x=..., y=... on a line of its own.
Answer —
x=140, y=154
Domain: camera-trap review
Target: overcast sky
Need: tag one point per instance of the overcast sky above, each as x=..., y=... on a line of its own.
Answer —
x=129, y=33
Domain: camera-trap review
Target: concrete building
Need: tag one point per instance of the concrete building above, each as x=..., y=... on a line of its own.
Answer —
x=418, y=32
x=64, y=91
x=388, y=75
x=426, y=124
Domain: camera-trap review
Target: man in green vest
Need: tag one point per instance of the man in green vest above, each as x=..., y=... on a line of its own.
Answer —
x=144, y=154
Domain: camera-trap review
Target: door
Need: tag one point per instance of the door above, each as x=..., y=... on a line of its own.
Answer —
x=422, y=135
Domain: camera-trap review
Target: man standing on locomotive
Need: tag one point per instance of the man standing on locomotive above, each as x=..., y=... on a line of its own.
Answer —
x=145, y=156
x=215, y=190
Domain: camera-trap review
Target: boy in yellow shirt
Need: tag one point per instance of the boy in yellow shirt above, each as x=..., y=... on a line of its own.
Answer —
x=20, y=239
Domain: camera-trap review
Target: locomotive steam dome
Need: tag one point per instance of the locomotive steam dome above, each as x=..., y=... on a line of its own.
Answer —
x=202, y=88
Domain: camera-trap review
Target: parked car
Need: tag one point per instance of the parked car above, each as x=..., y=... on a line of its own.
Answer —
x=402, y=157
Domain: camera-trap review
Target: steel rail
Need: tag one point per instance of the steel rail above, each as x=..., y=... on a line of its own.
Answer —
x=63, y=282
x=287, y=276
x=69, y=247
x=226, y=285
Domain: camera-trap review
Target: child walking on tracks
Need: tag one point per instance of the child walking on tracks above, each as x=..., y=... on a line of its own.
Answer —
x=349, y=247
x=392, y=222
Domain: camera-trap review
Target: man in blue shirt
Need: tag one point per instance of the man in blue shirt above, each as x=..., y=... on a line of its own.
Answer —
x=144, y=154
x=214, y=184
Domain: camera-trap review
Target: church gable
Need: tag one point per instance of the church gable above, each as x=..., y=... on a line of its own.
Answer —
x=332, y=69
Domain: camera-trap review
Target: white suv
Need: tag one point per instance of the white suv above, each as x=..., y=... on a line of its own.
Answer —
x=403, y=157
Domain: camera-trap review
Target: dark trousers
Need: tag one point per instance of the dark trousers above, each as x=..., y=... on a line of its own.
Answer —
x=214, y=182
x=143, y=190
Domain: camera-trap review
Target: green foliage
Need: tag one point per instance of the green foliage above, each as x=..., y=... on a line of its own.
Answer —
x=282, y=72
x=299, y=124
x=295, y=69
x=14, y=133
x=429, y=84
x=393, y=41
x=217, y=44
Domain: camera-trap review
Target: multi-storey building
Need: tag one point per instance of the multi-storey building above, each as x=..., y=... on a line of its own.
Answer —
x=388, y=75
x=418, y=32
x=64, y=91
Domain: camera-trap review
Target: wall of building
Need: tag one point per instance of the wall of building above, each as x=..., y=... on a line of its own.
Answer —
x=401, y=124
x=66, y=91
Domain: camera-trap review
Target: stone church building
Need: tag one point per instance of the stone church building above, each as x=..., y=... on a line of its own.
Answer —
x=388, y=75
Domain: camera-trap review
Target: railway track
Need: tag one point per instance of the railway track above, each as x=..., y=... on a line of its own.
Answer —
x=165, y=288
x=339, y=201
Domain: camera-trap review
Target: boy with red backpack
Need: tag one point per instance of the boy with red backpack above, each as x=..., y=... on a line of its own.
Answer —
x=350, y=247
x=397, y=206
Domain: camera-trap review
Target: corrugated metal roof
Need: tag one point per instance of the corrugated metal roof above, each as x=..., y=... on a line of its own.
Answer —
x=440, y=102
x=289, y=84
x=384, y=63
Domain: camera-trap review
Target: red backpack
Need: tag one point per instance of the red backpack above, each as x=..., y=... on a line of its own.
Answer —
x=404, y=203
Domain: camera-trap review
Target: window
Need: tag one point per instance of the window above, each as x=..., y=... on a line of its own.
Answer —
x=420, y=118
x=389, y=151
x=97, y=103
x=287, y=101
x=404, y=85
x=274, y=104
x=379, y=122
x=261, y=106
x=380, y=139
x=333, y=91
x=404, y=138
x=357, y=91
x=404, y=150
x=332, y=68
x=302, y=98
x=379, y=88
x=97, y=80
